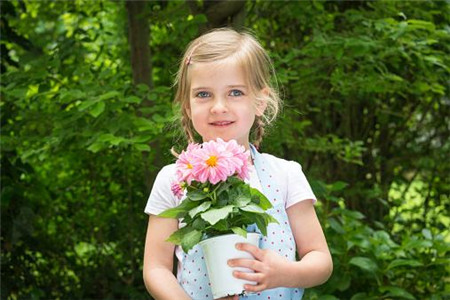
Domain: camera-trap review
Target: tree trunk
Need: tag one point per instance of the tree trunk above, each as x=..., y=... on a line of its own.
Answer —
x=140, y=55
x=139, y=39
x=220, y=13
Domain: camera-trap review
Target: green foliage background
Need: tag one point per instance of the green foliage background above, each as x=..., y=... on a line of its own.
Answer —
x=367, y=114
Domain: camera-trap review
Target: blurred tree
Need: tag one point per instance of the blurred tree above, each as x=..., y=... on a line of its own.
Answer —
x=139, y=40
x=219, y=13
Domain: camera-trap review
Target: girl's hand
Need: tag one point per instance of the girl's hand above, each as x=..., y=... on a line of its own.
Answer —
x=269, y=268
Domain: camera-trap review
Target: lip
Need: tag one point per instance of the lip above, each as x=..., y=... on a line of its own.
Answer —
x=221, y=123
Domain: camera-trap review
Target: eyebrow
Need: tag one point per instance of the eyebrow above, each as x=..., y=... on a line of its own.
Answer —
x=229, y=86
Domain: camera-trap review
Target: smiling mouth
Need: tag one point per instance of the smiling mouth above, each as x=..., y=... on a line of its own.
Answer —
x=221, y=123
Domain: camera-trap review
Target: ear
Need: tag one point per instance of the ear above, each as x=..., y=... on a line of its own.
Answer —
x=262, y=104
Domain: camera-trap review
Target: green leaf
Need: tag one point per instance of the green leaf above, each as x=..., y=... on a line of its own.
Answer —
x=142, y=147
x=404, y=262
x=222, y=226
x=427, y=234
x=336, y=226
x=223, y=186
x=222, y=200
x=364, y=263
x=95, y=147
x=355, y=214
x=214, y=215
x=242, y=200
x=132, y=99
x=420, y=24
x=144, y=124
x=264, y=202
x=70, y=95
x=270, y=219
x=177, y=236
x=394, y=291
x=142, y=138
x=415, y=243
x=108, y=95
x=199, y=224
x=240, y=231
x=253, y=208
x=190, y=240
x=359, y=296
x=196, y=195
x=393, y=77
x=344, y=282
x=86, y=104
x=178, y=211
x=261, y=223
x=97, y=109
x=110, y=139
x=338, y=186
x=201, y=208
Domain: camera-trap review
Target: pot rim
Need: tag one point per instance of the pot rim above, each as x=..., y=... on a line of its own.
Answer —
x=227, y=234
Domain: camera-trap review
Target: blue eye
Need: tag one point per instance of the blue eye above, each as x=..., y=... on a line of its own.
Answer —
x=236, y=93
x=202, y=94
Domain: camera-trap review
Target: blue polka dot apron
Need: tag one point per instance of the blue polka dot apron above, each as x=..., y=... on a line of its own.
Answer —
x=193, y=276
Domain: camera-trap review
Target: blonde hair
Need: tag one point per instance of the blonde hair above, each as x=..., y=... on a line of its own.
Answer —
x=243, y=48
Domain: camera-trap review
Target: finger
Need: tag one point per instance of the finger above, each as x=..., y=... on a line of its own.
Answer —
x=252, y=249
x=255, y=277
x=254, y=288
x=252, y=264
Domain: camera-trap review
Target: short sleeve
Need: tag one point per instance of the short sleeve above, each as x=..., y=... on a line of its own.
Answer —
x=298, y=188
x=161, y=197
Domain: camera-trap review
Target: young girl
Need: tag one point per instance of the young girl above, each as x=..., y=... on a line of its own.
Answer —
x=224, y=90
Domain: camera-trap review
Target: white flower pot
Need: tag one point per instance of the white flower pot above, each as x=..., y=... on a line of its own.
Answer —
x=217, y=251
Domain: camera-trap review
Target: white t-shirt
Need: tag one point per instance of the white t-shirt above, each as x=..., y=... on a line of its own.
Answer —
x=288, y=175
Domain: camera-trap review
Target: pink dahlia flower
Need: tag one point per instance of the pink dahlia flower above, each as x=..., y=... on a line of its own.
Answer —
x=237, y=157
x=184, y=164
x=177, y=189
x=211, y=163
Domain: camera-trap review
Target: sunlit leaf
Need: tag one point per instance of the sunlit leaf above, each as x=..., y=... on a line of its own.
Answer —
x=214, y=215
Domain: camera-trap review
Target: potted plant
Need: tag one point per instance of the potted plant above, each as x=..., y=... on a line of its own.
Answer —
x=218, y=206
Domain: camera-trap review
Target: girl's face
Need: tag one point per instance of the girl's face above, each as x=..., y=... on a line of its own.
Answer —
x=221, y=104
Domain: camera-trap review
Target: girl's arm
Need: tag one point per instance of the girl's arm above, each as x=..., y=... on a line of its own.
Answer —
x=316, y=265
x=273, y=270
x=158, y=260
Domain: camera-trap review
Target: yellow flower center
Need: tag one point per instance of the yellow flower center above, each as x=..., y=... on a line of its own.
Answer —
x=212, y=161
x=189, y=166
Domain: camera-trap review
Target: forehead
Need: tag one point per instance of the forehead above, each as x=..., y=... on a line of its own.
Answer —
x=219, y=73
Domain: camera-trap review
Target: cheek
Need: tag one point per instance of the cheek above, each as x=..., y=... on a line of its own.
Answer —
x=196, y=115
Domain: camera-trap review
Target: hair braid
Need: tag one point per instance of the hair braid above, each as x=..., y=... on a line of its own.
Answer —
x=187, y=127
x=259, y=132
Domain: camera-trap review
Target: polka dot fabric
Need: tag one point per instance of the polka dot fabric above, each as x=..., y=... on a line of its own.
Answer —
x=193, y=276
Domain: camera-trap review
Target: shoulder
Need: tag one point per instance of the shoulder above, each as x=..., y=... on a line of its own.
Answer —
x=292, y=178
x=289, y=172
x=166, y=176
x=161, y=196
x=168, y=170
x=280, y=163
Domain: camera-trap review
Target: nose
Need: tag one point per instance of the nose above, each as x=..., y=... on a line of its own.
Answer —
x=219, y=106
